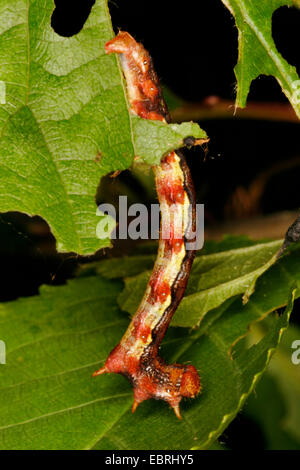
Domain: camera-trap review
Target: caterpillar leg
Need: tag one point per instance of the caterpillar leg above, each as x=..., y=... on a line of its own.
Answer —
x=155, y=379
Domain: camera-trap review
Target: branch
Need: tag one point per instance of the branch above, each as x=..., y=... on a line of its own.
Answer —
x=214, y=107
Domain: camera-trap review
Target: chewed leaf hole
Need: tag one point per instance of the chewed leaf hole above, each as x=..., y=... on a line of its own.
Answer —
x=69, y=16
x=286, y=34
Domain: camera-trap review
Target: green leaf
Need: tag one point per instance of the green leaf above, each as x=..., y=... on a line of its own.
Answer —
x=259, y=272
x=155, y=138
x=215, y=278
x=57, y=339
x=64, y=121
x=276, y=403
x=287, y=377
x=267, y=408
x=257, y=51
x=114, y=268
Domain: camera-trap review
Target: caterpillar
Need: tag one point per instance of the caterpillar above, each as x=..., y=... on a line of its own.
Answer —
x=136, y=356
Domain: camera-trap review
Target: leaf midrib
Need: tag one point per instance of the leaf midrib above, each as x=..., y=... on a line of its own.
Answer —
x=65, y=410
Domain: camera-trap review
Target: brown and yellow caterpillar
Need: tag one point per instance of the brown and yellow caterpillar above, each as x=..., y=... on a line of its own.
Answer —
x=136, y=356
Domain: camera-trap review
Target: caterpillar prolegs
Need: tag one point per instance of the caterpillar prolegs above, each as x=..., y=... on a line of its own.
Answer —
x=136, y=356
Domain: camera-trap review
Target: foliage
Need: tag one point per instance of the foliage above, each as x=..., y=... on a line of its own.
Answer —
x=257, y=51
x=65, y=121
x=65, y=333
x=64, y=124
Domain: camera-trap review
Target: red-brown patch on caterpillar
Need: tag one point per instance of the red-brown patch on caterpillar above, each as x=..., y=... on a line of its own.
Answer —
x=143, y=86
x=136, y=356
x=119, y=362
x=115, y=361
x=172, y=246
x=140, y=329
x=159, y=291
x=190, y=382
x=168, y=161
x=149, y=89
x=171, y=190
x=142, y=111
x=155, y=116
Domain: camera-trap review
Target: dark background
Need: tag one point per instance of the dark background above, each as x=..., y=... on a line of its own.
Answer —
x=194, y=47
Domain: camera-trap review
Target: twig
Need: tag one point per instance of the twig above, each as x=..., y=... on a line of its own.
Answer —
x=214, y=107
